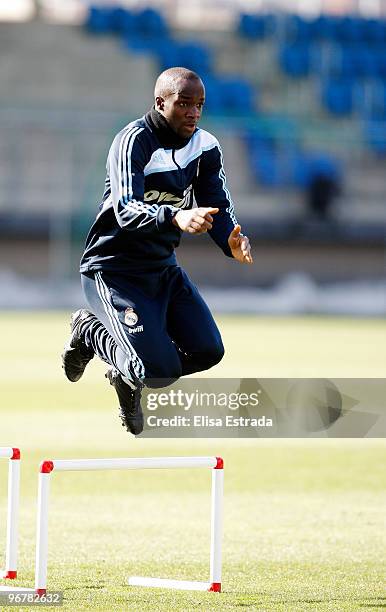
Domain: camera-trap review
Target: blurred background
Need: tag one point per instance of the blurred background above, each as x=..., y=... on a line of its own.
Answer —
x=296, y=94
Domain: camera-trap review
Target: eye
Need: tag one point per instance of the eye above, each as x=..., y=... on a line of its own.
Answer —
x=183, y=104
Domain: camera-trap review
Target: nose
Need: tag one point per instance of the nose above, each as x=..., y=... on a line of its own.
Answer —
x=194, y=112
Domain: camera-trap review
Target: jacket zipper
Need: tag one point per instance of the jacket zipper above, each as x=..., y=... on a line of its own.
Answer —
x=180, y=176
x=174, y=159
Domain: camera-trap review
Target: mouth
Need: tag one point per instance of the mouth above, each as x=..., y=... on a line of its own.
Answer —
x=190, y=126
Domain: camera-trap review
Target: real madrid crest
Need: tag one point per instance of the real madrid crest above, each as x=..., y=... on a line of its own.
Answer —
x=131, y=318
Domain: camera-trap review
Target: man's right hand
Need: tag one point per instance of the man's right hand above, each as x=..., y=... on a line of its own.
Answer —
x=195, y=220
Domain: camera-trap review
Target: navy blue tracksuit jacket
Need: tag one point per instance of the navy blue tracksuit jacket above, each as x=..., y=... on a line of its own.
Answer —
x=154, y=322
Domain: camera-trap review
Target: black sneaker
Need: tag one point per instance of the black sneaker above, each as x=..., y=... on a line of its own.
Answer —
x=76, y=355
x=129, y=402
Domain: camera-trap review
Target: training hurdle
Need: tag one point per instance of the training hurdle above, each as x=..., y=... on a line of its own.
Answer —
x=13, y=456
x=63, y=465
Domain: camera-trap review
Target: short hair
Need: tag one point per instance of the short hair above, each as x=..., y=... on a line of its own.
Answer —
x=168, y=80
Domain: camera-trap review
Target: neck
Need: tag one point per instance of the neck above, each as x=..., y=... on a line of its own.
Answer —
x=168, y=138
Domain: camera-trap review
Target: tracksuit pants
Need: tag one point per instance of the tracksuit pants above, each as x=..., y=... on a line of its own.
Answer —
x=153, y=327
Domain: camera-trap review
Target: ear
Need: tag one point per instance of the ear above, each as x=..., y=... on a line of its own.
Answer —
x=159, y=103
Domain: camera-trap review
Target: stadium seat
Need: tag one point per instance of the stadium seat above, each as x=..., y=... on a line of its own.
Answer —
x=276, y=165
x=350, y=29
x=192, y=55
x=372, y=104
x=151, y=23
x=295, y=60
x=337, y=97
x=228, y=95
x=256, y=27
x=375, y=137
x=298, y=29
x=123, y=21
x=138, y=43
x=99, y=20
x=374, y=31
x=323, y=28
x=309, y=165
x=116, y=19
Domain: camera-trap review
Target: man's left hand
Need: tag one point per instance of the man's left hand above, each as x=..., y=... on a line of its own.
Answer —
x=239, y=245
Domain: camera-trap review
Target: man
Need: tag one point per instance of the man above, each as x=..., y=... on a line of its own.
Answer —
x=147, y=320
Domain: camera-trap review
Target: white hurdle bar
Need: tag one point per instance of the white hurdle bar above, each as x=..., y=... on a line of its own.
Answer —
x=61, y=465
x=13, y=456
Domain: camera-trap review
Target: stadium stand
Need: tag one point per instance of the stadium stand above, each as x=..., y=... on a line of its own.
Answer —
x=69, y=89
x=331, y=61
x=327, y=71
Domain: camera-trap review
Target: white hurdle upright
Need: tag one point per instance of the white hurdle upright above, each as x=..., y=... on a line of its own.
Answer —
x=61, y=465
x=13, y=456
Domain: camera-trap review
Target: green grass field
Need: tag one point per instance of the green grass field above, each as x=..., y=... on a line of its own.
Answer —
x=304, y=519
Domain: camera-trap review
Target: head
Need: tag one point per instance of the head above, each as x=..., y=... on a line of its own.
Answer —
x=179, y=96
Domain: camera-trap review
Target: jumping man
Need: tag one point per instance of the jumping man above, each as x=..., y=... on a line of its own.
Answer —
x=147, y=320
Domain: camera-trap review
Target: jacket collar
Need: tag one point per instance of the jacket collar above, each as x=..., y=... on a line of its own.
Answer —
x=167, y=137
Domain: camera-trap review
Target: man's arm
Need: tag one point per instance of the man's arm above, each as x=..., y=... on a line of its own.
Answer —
x=126, y=162
x=210, y=189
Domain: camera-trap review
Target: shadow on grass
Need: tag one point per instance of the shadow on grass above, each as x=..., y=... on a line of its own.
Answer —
x=379, y=602
x=80, y=588
x=368, y=602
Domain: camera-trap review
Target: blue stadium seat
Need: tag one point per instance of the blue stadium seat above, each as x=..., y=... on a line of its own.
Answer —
x=192, y=55
x=195, y=56
x=256, y=27
x=295, y=60
x=257, y=138
x=168, y=55
x=138, y=43
x=147, y=22
x=315, y=164
x=363, y=59
x=353, y=61
x=266, y=168
x=323, y=28
x=350, y=29
x=375, y=137
x=122, y=21
x=213, y=100
x=237, y=94
x=374, y=31
x=228, y=95
x=275, y=165
x=373, y=103
x=380, y=53
x=338, y=97
x=99, y=20
x=298, y=29
x=151, y=23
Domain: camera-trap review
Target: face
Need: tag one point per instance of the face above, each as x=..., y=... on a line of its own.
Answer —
x=183, y=109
